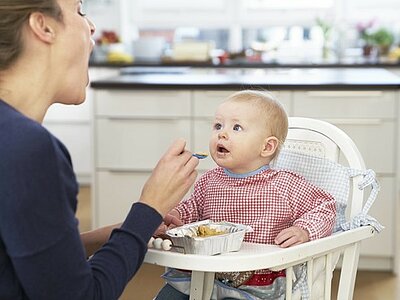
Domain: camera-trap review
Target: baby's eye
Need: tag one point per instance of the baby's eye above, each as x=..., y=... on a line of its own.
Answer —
x=237, y=127
x=217, y=126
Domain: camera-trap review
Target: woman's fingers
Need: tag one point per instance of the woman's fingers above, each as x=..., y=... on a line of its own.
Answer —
x=177, y=147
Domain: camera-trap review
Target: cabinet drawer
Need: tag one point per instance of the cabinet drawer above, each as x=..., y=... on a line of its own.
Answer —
x=114, y=195
x=375, y=141
x=136, y=144
x=58, y=113
x=344, y=104
x=77, y=138
x=142, y=103
x=206, y=102
x=382, y=245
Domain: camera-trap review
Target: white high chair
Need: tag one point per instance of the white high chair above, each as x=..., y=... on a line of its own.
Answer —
x=316, y=138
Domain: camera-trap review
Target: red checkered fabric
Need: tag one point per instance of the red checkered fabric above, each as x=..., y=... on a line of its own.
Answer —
x=269, y=202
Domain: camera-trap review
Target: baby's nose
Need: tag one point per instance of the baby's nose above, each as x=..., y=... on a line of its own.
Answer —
x=223, y=135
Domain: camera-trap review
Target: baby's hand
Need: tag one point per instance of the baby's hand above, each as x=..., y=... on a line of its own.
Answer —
x=161, y=230
x=292, y=236
x=170, y=221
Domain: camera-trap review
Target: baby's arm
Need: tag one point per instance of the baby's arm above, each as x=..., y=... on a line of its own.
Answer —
x=313, y=210
x=292, y=236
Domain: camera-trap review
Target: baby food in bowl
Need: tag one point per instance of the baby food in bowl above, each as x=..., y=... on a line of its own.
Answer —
x=208, y=238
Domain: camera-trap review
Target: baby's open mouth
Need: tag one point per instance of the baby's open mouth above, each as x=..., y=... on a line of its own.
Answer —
x=222, y=149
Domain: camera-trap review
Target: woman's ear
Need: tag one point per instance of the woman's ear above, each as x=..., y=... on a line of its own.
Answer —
x=42, y=27
x=270, y=146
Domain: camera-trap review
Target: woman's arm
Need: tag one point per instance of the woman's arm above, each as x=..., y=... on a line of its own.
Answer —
x=93, y=240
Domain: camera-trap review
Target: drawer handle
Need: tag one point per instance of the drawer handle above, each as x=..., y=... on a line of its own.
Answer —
x=344, y=94
x=355, y=121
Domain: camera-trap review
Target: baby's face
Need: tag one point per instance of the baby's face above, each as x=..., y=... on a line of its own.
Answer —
x=238, y=136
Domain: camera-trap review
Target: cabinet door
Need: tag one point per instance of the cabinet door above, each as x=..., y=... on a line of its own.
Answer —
x=345, y=104
x=375, y=140
x=136, y=144
x=368, y=117
x=69, y=113
x=138, y=103
x=77, y=138
x=114, y=194
x=382, y=245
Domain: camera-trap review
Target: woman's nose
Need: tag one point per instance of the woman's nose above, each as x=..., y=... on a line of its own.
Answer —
x=92, y=26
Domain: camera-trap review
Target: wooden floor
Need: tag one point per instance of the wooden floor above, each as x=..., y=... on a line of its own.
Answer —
x=369, y=285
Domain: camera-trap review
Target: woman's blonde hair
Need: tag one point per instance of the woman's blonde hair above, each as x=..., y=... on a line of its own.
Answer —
x=276, y=119
x=13, y=15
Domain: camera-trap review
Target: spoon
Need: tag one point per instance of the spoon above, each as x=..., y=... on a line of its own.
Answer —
x=200, y=155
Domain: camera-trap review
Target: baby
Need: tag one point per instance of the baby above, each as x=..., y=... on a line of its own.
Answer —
x=281, y=206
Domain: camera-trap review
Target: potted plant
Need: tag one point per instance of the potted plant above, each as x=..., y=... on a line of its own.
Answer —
x=366, y=35
x=383, y=39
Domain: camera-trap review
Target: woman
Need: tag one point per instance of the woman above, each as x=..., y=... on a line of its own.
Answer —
x=44, y=51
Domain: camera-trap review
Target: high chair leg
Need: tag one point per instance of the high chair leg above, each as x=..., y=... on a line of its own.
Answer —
x=348, y=272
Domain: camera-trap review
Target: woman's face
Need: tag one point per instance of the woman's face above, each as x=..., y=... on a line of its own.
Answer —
x=74, y=44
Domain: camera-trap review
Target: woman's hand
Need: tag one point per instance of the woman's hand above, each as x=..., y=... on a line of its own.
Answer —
x=292, y=236
x=171, y=179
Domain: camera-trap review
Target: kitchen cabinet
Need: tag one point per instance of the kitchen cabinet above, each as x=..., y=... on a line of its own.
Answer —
x=72, y=125
x=370, y=119
x=131, y=132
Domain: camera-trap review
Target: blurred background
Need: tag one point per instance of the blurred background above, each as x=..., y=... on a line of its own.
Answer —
x=247, y=31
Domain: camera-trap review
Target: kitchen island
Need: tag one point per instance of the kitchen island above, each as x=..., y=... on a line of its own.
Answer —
x=137, y=114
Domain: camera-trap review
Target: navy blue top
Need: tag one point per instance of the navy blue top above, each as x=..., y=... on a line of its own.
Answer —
x=41, y=253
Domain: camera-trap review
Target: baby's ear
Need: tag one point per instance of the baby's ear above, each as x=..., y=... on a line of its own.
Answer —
x=270, y=146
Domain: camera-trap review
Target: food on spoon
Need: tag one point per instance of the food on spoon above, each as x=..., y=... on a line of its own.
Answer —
x=200, y=155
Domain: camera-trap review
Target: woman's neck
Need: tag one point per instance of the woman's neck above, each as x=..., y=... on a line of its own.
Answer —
x=25, y=90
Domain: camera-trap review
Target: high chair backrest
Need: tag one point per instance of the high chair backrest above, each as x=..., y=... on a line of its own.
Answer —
x=323, y=140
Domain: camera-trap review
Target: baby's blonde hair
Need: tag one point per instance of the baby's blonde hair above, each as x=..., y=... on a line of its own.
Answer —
x=276, y=119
